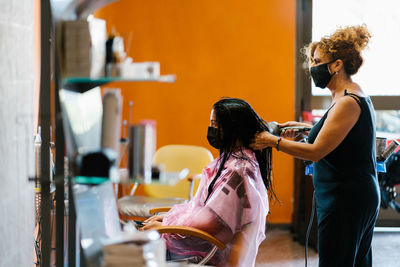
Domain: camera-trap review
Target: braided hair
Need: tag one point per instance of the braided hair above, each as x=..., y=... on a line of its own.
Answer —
x=238, y=123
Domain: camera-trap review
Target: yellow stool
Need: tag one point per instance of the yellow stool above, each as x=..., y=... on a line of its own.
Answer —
x=174, y=158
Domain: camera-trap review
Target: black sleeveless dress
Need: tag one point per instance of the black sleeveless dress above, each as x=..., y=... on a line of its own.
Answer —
x=347, y=193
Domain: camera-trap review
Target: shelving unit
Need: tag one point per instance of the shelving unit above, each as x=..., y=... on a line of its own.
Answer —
x=51, y=15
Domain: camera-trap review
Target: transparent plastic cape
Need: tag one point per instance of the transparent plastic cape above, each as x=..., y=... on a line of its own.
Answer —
x=238, y=204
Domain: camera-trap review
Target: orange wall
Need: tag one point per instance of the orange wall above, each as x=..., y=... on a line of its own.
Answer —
x=216, y=48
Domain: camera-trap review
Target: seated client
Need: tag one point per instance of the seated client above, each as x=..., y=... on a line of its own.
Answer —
x=231, y=202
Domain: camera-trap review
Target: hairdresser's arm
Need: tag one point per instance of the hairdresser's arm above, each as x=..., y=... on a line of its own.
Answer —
x=341, y=119
x=294, y=123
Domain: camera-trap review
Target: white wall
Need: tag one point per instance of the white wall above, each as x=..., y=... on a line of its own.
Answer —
x=16, y=139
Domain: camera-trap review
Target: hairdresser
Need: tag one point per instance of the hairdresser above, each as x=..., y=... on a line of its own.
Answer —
x=342, y=147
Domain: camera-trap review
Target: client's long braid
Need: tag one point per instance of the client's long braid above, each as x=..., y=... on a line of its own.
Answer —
x=264, y=158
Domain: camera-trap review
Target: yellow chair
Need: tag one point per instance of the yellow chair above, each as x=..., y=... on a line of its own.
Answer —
x=173, y=158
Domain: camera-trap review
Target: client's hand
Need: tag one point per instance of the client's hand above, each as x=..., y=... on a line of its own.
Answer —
x=152, y=222
x=263, y=140
x=155, y=218
x=150, y=225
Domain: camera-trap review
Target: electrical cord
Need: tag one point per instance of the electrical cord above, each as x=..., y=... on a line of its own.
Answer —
x=310, y=223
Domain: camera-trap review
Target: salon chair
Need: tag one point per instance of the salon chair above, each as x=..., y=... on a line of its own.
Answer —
x=190, y=231
x=236, y=248
x=173, y=158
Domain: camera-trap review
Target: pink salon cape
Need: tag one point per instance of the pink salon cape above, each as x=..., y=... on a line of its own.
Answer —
x=238, y=204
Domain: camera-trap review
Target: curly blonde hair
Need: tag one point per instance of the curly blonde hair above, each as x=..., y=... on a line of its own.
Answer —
x=345, y=44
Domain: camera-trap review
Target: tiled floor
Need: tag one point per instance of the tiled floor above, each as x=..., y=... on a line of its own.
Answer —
x=279, y=250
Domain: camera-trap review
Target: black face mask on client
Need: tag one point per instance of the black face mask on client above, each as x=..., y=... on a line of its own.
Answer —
x=213, y=137
x=321, y=74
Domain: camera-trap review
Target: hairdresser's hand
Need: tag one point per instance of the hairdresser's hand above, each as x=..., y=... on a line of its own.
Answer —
x=291, y=133
x=150, y=225
x=263, y=140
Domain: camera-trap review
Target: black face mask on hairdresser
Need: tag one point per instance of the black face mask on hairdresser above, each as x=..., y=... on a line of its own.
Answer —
x=213, y=137
x=321, y=75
